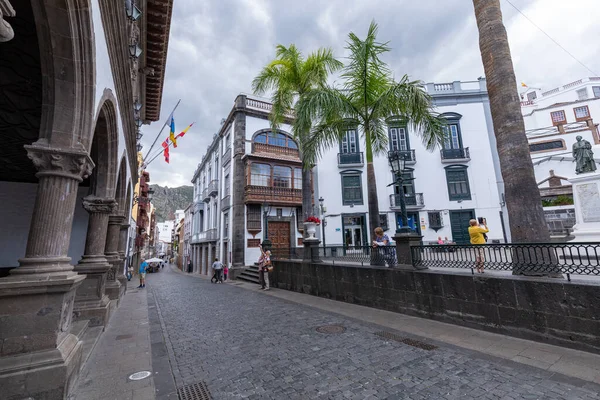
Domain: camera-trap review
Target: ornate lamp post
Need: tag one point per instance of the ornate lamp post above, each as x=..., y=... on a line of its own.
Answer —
x=323, y=219
x=397, y=160
x=266, y=244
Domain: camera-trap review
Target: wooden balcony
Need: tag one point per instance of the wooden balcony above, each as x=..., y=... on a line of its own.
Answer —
x=273, y=195
x=267, y=149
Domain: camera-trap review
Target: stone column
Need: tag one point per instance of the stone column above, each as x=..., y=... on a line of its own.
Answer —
x=204, y=260
x=91, y=301
x=123, y=243
x=209, y=260
x=111, y=251
x=39, y=356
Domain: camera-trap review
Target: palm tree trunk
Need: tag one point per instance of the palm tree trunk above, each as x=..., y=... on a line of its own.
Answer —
x=371, y=186
x=526, y=216
x=307, y=203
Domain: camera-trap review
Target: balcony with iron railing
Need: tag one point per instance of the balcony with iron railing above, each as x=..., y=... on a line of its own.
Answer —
x=226, y=202
x=409, y=156
x=273, y=195
x=213, y=187
x=209, y=235
x=205, y=195
x=413, y=201
x=227, y=156
x=351, y=159
x=453, y=155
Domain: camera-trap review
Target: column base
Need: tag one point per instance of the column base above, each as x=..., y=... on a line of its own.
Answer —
x=97, y=312
x=46, y=374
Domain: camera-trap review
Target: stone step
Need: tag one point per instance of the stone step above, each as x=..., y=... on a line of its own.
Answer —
x=78, y=328
x=248, y=278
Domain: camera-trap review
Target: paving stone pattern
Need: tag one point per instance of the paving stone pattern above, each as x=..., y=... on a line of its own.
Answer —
x=248, y=345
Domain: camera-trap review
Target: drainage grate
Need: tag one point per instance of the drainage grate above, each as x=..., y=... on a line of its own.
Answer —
x=196, y=391
x=121, y=337
x=408, y=341
x=331, y=329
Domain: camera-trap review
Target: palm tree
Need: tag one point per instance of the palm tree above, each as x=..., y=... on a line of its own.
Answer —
x=290, y=76
x=527, y=223
x=525, y=212
x=368, y=98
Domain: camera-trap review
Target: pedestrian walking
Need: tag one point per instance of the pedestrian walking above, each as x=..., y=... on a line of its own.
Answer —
x=265, y=267
x=217, y=266
x=189, y=266
x=386, y=252
x=129, y=272
x=225, y=271
x=142, y=272
x=477, y=233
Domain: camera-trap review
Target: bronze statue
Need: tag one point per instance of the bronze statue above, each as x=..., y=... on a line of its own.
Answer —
x=584, y=156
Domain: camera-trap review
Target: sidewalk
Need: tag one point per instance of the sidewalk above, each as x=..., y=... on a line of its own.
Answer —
x=573, y=363
x=123, y=349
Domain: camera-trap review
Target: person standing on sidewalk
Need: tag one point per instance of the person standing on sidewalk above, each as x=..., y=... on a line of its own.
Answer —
x=265, y=268
x=218, y=268
x=142, y=272
x=477, y=233
x=225, y=271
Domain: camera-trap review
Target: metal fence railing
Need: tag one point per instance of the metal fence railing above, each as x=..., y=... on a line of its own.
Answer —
x=559, y=258
x=363, y=255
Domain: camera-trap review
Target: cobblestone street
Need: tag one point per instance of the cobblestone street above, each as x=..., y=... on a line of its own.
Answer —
x=245, y=344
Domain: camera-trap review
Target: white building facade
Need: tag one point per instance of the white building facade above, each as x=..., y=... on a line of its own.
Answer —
x=443, y=189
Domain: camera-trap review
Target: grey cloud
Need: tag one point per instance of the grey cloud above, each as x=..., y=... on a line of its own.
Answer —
x=218, y=46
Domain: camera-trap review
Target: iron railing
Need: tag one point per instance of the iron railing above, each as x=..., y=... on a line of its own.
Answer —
x=409, y=156
x=350, y=158
x=414, y=200
x=455, y=154
x=361, y=255
x=527, y=258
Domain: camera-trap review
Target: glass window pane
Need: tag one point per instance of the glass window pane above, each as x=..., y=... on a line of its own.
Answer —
x=558, y=116
x=292, y=144
x=282, y=177
x=260, y=175
x=596, y=90
x=297, y=178
x=261, y=138
x=581, y=112
x=403, y=142
x=394, y=139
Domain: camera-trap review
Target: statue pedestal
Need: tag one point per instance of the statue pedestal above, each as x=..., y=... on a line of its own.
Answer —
x=586, y=196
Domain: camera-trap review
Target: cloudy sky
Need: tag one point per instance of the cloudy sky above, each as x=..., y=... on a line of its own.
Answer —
x=217, y=47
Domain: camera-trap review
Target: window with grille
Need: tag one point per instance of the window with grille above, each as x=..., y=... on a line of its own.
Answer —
x=581, y=113
x=531, y=96
x=458, y=183
x=260, y=175
x=349, y=142
x=226, y=183
x=351, y=189
x=383, y=222
x=582, y=94
x=596, y=90
x=452, y=137
x=282, y=177
x=435, y=219
x=253, y=217
x=558, y=117
x=547, y=146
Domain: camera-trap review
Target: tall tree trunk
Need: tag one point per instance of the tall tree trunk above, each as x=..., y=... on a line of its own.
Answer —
x=371, y=187
x=526, y=216
x=307, y=197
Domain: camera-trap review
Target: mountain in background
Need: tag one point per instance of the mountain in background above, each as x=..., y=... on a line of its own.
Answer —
x=166, y=200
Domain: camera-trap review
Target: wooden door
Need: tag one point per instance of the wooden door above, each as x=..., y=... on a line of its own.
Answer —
x=459, y=221
x=279, y=234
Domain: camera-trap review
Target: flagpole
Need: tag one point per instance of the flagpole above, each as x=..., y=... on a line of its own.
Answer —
x=163, y=127
x=145, y=164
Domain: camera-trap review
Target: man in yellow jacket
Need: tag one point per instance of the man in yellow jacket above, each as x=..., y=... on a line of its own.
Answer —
x=476, y=232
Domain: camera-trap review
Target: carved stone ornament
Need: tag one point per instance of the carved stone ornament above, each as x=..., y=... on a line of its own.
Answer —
x=70, y=163
x=110, y=276
x=93, y=204
x=6, y=31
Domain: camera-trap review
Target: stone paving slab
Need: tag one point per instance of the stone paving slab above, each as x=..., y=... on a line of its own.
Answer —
x=123, y=348
x=262, y=345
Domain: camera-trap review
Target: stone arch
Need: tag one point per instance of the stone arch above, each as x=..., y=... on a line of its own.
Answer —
x=128, y=203
x=104, y=148
x=66, y=41
x=266, y=131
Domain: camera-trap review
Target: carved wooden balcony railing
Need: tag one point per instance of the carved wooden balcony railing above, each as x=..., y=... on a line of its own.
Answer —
x=272, y=195
x=258, y=148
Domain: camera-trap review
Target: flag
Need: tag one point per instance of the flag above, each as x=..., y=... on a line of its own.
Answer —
x=523, y=84
x=165, y=146
x=183, y=132
x=172, y=133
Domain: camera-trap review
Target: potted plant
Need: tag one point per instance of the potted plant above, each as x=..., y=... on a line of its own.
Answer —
x=310, y=224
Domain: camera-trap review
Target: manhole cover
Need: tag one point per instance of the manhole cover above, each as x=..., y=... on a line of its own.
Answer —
x=138, y=376
x=408, y=341
x=121, y=337
x=196, y=391
x=331, y=329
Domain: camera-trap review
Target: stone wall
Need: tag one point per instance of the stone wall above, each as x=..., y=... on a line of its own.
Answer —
x=543, y=309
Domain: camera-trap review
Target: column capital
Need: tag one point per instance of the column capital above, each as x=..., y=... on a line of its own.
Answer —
x=116, y=220
x=69, y=163
x=100, y=205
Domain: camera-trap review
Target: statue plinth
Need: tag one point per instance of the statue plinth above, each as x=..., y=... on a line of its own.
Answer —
x=586, y=197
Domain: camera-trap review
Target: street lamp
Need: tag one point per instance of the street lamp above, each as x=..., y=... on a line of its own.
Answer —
x=323, y=219
x=133, y=13
x=397, y=160
x=137, y=106
x=266, y=244
x=135, y=50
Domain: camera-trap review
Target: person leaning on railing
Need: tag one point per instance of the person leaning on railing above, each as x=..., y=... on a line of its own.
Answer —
x=477, y=233
x=388, y=252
